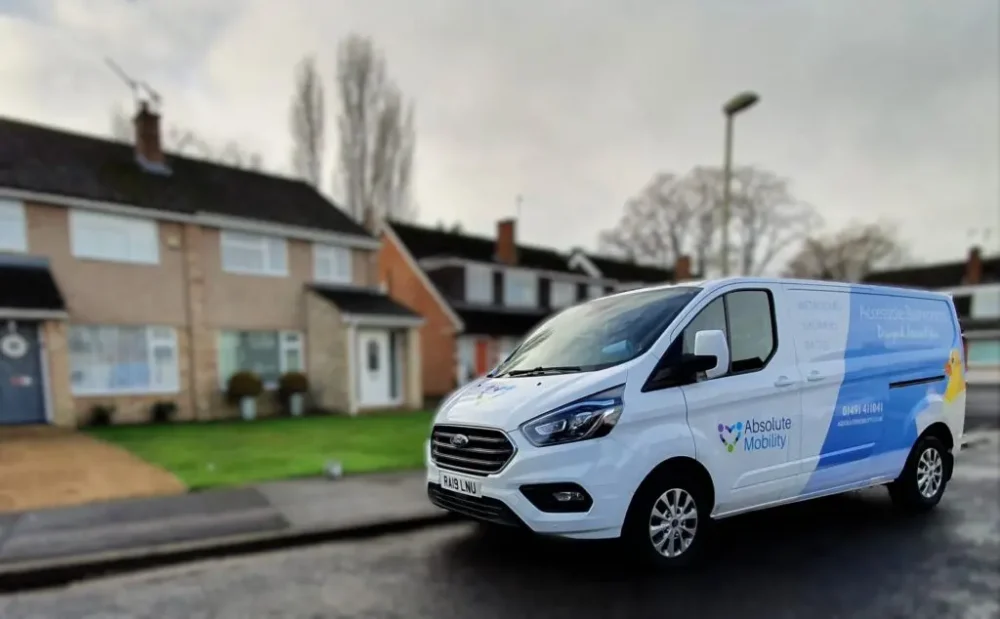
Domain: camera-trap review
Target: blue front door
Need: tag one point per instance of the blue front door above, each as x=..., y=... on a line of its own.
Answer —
x=21, y=396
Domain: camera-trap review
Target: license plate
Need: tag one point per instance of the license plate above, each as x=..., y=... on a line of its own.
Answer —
x=461, y=485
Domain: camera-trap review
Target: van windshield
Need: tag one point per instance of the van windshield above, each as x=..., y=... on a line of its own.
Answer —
x=597, y=334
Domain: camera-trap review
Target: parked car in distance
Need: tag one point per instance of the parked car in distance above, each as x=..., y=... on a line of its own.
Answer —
x=649, y=414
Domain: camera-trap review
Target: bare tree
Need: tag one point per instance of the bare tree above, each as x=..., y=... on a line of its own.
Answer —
x=182, y=141
x=674, y=216
x=377, y=138
x=848, y=254
x=308, y=123
x=655, y=225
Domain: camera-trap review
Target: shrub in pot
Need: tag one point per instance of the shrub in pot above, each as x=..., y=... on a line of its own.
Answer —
x=243, y=389
x=292, y=387
x=162, y=411
x=101, y=414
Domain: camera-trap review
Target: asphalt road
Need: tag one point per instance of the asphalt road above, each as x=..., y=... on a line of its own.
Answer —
x=848, y=556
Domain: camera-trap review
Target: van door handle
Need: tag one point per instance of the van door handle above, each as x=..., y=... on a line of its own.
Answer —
x=814, y=376
x=784, y=381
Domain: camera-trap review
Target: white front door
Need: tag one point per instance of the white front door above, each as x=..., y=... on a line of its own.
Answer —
x=375, y=368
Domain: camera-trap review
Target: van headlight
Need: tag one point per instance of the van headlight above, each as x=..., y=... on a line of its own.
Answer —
x=591, y=417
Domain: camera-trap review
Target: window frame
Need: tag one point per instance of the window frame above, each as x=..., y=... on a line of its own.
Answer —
x=283, y=347
x=674, y=351
x=17, y=213
x=78, y=218
x=508, y=286
x=233, y=239
x=153, y=342
x=472, y=273
x=327, y=251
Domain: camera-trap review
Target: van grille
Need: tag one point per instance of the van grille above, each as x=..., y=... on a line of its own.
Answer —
x=486, y=451
x=483, y=508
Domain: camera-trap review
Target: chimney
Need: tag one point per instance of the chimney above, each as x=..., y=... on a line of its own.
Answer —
x=147, y=136
x=974, y=266
x=682, y=268
x=506, y=251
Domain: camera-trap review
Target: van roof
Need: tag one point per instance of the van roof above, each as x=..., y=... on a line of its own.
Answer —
x=717, y=282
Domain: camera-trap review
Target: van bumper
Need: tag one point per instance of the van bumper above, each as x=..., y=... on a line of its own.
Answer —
x=587, y=475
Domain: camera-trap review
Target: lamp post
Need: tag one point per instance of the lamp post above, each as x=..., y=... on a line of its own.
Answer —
x=734, y=106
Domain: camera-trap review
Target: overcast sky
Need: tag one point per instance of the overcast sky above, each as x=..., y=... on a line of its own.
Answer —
x=877, y=110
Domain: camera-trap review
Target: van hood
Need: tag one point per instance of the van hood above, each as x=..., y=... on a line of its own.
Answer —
x=506, y=403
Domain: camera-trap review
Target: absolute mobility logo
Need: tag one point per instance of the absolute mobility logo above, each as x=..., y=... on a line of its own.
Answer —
x=757, y=434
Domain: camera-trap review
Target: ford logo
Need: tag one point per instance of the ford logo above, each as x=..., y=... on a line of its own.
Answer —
x=460, y=440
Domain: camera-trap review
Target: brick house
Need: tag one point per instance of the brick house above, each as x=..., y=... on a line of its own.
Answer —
x=975, y=286
x=479, y=296
x=131, y=277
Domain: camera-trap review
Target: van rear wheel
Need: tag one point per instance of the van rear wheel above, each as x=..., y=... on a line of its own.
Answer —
x=667, y=521
x=921, y=485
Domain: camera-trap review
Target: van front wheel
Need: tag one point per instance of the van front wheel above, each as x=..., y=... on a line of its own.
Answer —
x=922, y=483
x=667, y=521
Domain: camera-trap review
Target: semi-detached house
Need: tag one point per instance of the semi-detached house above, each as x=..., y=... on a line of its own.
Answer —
x=479, y=296
x=130, y=277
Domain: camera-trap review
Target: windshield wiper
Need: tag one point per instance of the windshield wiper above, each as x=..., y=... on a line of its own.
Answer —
x=553, y=369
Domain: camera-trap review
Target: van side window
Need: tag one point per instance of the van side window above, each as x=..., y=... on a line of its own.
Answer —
x=752, y=327
x=711, y=318
x=745, y=316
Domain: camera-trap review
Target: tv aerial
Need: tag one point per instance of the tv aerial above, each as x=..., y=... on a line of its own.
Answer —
x=142, y=92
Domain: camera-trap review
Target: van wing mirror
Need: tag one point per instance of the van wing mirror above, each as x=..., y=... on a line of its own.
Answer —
x=711, y=353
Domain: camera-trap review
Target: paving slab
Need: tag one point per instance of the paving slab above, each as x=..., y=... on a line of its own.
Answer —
x=138, y=523
x=359, y=500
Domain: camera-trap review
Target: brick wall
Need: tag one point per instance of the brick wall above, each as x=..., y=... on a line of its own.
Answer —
x=327, y=354
x=437, y=335
x=101, y=292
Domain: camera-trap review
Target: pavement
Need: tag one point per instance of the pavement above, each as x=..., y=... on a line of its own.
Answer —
x=42, y=547
x=850, y=556
x=45, y=466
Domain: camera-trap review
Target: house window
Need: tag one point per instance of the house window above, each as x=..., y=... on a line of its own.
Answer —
x=562, y=294
x=113, y=360
x=986, y=302
x=520, y=289
x=478, y=284
x=98, y=236
x=254, y=254
x=331, y=264
x=594, y=291
x=13, y=231
x=269, y=354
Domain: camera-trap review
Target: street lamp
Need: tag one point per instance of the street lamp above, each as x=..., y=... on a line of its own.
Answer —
x=734, y=106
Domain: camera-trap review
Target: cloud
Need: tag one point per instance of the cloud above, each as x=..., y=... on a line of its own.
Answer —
x=874, y=110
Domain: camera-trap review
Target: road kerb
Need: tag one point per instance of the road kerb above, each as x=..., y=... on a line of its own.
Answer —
x=47, y=573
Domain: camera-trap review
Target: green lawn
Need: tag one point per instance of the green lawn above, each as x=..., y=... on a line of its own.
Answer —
x=227, y=453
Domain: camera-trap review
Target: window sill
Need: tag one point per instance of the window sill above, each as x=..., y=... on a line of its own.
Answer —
x=123, y=392
x=145, y=263
x=231, y=271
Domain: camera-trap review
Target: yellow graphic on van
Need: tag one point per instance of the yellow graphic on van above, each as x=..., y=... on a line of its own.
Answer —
x=956, y=379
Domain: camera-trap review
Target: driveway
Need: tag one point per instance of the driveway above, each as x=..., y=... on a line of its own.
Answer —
x=42, y=466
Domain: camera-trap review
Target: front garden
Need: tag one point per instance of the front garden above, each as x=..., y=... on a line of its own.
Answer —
x=251, y=449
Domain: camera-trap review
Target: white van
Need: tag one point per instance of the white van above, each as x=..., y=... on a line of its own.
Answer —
x=647, y=414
